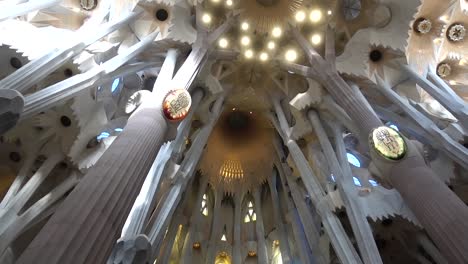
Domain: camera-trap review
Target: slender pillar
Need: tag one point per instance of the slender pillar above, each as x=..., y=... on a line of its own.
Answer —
x=24, y=8
x=299, y=236
x=10, y=212
x=299, y=232
x=361, y=228
x=262, y=253
x=22, y=175
x=439, y=210
x=38, y=69
x=195, y=220
x=451, y=102
x=280, y=226
x=236, y=252
x=215, y=228
x=340, y=240
x=170, y=238
x=430, y=248
x=310, y=227
x=35, y=213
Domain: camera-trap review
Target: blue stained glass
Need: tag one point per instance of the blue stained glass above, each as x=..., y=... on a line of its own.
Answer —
x=373, y=183
x=353, y=160
x=356, y=181
x=118, y=130
x=103, y=135
x=115, y=84
x=394, y=127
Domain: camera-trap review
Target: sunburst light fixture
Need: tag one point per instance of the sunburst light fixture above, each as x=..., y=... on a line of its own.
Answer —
x=264, y=15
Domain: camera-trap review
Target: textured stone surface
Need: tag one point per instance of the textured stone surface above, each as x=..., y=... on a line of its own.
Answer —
x=86, y=225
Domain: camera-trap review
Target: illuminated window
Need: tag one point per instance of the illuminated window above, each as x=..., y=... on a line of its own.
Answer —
x=250, y=216
x=357, y=182
x=204, y=205
x=392, y=125
x=115, y=85
x=231, y=170
x=353, y=160
x=374, y=183
x=102, y=136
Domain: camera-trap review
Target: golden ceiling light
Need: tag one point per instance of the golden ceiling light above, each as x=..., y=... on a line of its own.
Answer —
x=196, y=245
x=223, y=43
x=271, y=45
x=252, y=253
x=290, y=55
x=263, y=57
x=315, y=15
x=316, y=39
x=215, y=1
x=206, y=18
x=245, y=41
x=229, y=3
x=263, y=15
x=231, y=169
x=300, y=16
x=245, y=26
x=329, y=12
x=276, y=32
x=276, y=243
x=248, y=54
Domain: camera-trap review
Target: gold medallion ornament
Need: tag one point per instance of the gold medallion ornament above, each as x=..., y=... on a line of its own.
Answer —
x=388, y=143
x=176, y=104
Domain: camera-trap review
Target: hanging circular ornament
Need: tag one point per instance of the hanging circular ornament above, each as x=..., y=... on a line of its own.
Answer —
x=196, y=245
x=176, y=104
x=388, y=143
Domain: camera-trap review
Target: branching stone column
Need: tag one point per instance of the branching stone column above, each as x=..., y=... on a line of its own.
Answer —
x=195, y=222
x=24, y=8
x=340, y=240
x=259, y=229
x=280, y=226
x=298, y=229
x=439, y=210
x=361, y=228
x=215, y=228
x=310, y=228
x=87, y=224
x=236, y=252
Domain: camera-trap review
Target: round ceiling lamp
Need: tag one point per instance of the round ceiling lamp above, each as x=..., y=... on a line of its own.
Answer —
x=290, y=55
x=276, y=32
x=315, y=15
x=264, y=15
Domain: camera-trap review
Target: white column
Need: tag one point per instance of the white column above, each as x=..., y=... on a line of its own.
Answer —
x=236, y=252
x=311, y=227
x=38, y=69
x=450, y=101
x=340, y=240
x=24, y=8
x=59, y=92
x=262, y=253
x=195, y=221
x=280, y=225
x=216, y=228
x=361, y=228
